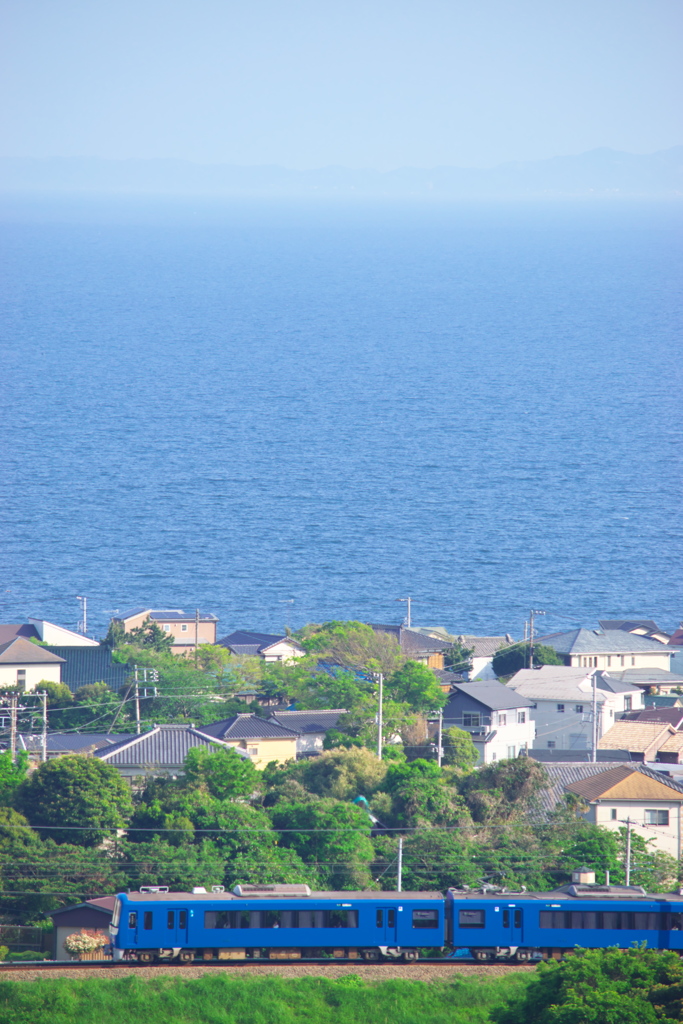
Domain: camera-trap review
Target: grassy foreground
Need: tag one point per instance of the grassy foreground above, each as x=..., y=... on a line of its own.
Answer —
x=218, y=999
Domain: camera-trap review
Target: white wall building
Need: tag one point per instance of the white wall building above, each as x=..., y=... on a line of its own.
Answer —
x=496, y=718
x=562, y=699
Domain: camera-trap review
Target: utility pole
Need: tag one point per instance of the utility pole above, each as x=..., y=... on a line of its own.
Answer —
x=399, y=880
x=43, y=745
x=594, y=744
x=532, y=613
x=380, y=676
x=13, y=727
x=628, y=850
x=137, y=703
x=408, y=601
x=439, y=749
x=83, y=624
x=196, y=635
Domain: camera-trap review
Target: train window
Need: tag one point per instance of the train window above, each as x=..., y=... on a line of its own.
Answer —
x=391, y=918
x=116, y=916
x=351, y=918
x=591, y=919
x=311, y=919
x=182, y=919
x=272, y=918
x=133, y=920
x=471, y=918
x=255, y=918
x=553, y=919
x=379, y=918
x=518, y=918
x=290, y=918
x=611, y=920
x=170, y=918
x=148, y=920
x=576, y=919
x=425, y=919
x=217, y=919
x=506, y=919
x=674, y=922
x=336, y=919
x=648, y=922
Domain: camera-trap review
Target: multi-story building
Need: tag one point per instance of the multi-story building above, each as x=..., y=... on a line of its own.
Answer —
x=188, y=629
x=497, y=719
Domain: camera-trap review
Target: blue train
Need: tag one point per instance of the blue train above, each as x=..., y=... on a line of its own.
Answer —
x=291, y=922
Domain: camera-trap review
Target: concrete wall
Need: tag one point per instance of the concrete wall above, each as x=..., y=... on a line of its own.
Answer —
x=573, y=730
x=60, y=637
x=263, y=751
x=618, y=662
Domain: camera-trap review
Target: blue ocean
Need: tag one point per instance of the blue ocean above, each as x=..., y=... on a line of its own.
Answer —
x=283, y=413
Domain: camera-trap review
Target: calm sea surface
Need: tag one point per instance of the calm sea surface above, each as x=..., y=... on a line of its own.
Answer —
x=240, y=407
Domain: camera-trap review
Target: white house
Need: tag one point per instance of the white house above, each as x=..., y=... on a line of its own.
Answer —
x=269, y=646
x=58, y=636
x=562, y=699
x=24, y=664
x=608, y=649
x=496, y=718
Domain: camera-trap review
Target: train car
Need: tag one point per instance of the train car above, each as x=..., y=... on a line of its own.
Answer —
x=277, y=922
x=528, y=926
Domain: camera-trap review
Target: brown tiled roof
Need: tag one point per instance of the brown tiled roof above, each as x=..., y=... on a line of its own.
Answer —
x=673, y=744
x=626, y=782
x=8, y=631
x=635, y=736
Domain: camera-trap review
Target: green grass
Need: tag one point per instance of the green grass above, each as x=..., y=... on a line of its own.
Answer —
x=220, y=999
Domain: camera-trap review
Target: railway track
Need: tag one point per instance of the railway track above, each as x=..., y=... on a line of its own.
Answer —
x=237, y=965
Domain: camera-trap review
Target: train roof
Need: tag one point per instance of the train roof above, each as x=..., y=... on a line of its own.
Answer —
x=572, y=892
x=216, y=897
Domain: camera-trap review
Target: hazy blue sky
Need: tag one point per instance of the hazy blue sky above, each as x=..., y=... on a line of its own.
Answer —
x=364, y=83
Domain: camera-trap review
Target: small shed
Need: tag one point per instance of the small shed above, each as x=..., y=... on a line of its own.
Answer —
x=94, y=914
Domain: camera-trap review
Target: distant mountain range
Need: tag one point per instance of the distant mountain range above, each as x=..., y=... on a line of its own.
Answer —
x=600, y=173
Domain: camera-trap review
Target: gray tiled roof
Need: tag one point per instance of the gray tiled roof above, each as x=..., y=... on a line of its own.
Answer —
x=21, y=651
x=492, y=695
x=252, y=644
x=308, y=721
x=674, y=716
x=656, y=676
x=170, y=614
x=164, y=746
x=485, y=646
x=65, y=742
x=84, y=666
x=592, y=641
x=247, y=727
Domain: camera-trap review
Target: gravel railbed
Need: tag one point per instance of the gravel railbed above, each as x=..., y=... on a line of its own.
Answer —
x=369, y=972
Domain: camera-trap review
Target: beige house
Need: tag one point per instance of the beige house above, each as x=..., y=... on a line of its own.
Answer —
x=652, y=803
x=25, y=665
x=609, y=649
x=428, y=650
x=187, y=629
x=263, y=740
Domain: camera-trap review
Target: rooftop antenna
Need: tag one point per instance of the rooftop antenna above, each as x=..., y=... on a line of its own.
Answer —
x=407, y=618
x=83, y=621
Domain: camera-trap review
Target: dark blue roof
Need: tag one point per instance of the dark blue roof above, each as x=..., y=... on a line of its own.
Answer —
x=87, y=665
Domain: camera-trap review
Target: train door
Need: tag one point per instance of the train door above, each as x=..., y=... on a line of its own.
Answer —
x=176, y=927
x=513, y=925
x=385, y=925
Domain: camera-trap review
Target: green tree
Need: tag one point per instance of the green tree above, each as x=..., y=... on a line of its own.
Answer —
x=458, y=748
x=79, y=800
x=458, y=658
x=332, y=837
x=601, y=986
x=353, y=645
x=504, y=790
x=423, y=794
x=12, y=774
x=224, y=773
x=433, y=860
x=511, y=659
x=344, y=773
x=150, y=635
x=417, y=686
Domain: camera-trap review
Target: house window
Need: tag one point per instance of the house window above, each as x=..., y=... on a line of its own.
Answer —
x=511, y=752
x=167, y=627
x=253, y=751
x=613, y=814
x=656, y=817
x=622, y=660
x=183, y=628
x=627, y=703
x=21, y=677
x=560, y=708
x=633, y=661
x=578, y=708
x=551, y=744
x=609, y=660
x=502, y=719
x=471, y=719
x=494, y=756
x=521, y=717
